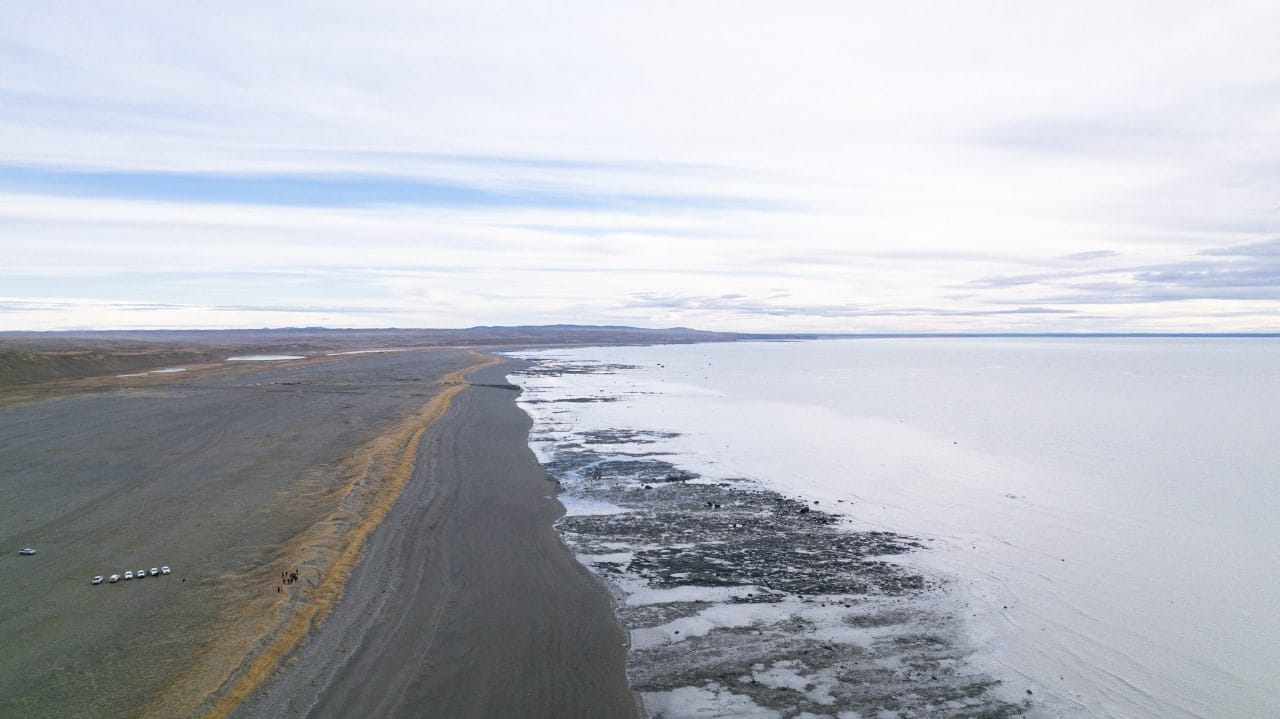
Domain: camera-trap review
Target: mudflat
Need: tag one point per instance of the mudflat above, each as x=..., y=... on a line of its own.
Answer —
x=217, y=476
x=466, y=603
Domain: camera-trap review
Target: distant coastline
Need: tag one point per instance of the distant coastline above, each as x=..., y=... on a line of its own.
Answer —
x=39, y=356
x=80, y=356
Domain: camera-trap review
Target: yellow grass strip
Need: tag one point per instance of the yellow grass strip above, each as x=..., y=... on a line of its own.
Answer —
x=391, y=460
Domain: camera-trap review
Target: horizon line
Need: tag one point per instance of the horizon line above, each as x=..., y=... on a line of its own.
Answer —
x=733, y=333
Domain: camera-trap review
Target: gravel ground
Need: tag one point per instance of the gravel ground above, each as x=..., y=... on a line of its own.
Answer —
x=209, y=473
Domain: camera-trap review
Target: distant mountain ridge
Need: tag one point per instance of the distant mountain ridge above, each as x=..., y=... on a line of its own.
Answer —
x=426, y=336
x=40, y=356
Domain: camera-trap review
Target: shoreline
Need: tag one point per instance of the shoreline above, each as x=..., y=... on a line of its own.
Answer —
x=465, y=602
x=738, y=599
x=1022, y=465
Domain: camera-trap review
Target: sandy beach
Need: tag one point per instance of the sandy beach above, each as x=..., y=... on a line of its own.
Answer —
x=220, y=476
x=456, y=600
x=466, y=603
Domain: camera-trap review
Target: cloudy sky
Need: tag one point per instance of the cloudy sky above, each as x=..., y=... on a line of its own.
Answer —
x=844, y=166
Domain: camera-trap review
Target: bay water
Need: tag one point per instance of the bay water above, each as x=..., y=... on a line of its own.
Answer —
x=1107, y=510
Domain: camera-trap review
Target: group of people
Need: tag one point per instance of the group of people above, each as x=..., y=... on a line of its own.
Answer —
x=286, y=578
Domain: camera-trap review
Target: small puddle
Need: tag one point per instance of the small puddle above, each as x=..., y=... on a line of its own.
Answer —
x=362, y=352
x=166, y=370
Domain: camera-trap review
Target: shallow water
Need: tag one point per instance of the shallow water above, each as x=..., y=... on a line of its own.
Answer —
x=365, y=352
x=263, y=358
x=166, y=370
x=1105, y=506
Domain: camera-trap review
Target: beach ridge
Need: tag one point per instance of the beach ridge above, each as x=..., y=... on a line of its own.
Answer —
x=326, y=551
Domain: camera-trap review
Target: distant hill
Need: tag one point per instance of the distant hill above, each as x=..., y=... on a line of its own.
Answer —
x=39, y=356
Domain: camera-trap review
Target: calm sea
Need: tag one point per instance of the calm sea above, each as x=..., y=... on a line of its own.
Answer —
x=1108, y=509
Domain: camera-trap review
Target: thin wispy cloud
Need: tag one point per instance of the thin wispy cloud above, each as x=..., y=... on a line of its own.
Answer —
x=1089, y=255
x=831, y=166
x=322, y=190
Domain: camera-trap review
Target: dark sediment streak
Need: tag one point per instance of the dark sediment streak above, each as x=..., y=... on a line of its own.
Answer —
x=466, y=603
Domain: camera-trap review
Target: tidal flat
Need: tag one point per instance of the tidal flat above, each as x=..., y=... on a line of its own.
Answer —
x=1097, y=508
x=742, y=601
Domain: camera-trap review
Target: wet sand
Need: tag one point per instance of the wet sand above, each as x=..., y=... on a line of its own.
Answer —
x=216, y=474
x=466, y=604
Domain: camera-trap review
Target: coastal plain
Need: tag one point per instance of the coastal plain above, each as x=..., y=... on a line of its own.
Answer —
x=217, y=474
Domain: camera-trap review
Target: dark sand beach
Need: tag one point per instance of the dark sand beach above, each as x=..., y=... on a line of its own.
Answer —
x=461, y=601
x=220, y=477
x=466, y=603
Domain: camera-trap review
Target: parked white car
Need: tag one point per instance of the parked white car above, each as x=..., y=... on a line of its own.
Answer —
x=113, y=578
x=155, y=571
x=97, y=579
x=128, y=576
x=165, y=569
x=140, y=573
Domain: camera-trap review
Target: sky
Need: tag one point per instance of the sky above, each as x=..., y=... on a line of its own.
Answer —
x=753, y=166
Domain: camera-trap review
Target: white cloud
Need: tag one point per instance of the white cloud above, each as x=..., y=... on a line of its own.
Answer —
x=879, y=156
